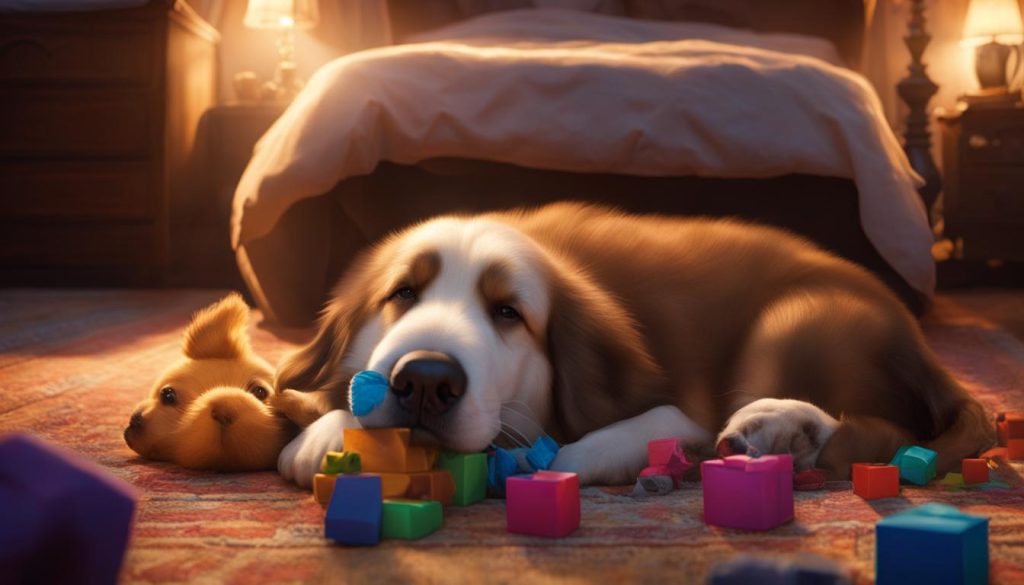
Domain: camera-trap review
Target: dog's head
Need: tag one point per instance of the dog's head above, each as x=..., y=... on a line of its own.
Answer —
x=209, y=411
x=483, y=332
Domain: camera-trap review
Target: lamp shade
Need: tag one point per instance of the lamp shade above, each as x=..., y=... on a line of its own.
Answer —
x=993, y=20
x=280, y=14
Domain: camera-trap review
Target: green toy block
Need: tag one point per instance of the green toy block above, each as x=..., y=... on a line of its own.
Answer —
x=410, y=519
x=917, y=464
x=469, y=470
x=335, y=462
x=954, y=479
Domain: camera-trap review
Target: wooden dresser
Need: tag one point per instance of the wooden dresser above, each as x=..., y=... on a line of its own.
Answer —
x=99, y=111
x=983, y=154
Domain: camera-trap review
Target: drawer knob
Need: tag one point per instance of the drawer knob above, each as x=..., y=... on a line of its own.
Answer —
x=977, y=141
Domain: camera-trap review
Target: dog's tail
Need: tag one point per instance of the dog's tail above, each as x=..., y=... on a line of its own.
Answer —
x=959, y=426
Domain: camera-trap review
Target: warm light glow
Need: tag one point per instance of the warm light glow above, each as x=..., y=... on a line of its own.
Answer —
x=281, y=14
x=993, y=20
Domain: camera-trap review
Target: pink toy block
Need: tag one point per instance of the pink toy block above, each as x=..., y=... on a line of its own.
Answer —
x=666, y=457
x=659, y=451
x=748, y=493
x=546, y=503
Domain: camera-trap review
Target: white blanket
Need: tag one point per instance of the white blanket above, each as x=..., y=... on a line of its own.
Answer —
x=519, y=88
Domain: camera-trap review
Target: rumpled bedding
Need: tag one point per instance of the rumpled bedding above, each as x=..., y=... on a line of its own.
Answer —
x=570, y=91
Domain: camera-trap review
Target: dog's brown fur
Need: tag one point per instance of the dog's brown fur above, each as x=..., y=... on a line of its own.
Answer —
x=215, y=422
x=706, y=315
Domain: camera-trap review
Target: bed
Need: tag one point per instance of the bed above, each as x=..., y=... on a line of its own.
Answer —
x=646, y=107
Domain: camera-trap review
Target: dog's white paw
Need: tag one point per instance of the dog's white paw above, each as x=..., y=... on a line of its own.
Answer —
x=773, y=425
x=300, y=459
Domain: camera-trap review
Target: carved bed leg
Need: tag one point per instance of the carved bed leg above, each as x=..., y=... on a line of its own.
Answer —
x=916, y=90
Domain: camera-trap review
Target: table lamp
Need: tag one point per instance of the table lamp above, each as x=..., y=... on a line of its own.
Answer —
x=286, y=16
x=994, y=27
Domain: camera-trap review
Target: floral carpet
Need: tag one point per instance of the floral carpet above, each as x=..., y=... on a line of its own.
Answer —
x=74, y=363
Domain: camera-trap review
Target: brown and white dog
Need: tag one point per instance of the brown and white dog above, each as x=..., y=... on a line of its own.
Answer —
x=606, y=330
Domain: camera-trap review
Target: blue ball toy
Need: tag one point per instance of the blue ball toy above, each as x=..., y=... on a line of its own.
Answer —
x=366, y=391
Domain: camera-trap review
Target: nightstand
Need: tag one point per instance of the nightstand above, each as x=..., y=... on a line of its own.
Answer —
x=983, y=156
x=200, y=222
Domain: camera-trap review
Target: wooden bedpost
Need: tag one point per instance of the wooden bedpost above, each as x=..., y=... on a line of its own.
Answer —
x=916, y=90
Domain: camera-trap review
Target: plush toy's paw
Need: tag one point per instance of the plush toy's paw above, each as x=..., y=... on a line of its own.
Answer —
x=772, y=425
x=300, y=459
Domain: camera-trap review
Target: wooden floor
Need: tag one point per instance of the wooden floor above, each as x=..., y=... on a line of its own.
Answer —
x=74, y=362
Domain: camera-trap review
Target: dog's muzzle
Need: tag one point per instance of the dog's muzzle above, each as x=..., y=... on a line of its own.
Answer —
x=428, y=382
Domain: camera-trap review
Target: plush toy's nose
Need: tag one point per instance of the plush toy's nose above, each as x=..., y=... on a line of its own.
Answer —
x=428, y=381
x=135, y=423
x=223, y=414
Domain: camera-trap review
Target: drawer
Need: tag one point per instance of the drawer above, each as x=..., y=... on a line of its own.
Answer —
x=994, y=194
x=78, y=191
x=53, y=244
x=76, y=123
x=49, y=53
x=986, y=147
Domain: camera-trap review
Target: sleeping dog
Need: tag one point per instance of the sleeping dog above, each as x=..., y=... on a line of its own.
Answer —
x=606, y=330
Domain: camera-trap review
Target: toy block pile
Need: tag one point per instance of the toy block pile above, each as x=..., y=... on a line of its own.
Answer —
x=381, y=486
x=748, y=493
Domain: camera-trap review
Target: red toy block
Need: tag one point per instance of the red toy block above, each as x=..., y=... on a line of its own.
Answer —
x=666, y=457
x=974, y=470
x=546, y=503
x=431, y=485
x=873, y=481
x=809, y=480
x=748, y=493
x=1010, y=428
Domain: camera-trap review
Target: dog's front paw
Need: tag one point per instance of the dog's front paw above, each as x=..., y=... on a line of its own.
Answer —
x=772, y=425
x=300, y=459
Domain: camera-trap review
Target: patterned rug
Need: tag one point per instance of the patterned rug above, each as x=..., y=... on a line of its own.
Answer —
x=74, y=363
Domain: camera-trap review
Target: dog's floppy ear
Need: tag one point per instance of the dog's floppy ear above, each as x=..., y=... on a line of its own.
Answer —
x=317, y=365
x=218, y=331
x=602, y=371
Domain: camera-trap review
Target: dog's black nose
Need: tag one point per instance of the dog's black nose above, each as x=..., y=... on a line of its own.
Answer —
x=428, y=381
x=136, y=421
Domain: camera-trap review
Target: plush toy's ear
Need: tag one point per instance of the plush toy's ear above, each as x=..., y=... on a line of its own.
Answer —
x=218, y=331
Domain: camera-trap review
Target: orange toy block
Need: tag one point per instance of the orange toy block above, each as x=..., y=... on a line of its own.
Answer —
x=974, y=470
x=432, y=485
x=419, y=459
x=323, y=488
x=379, y=449
x=394, y=485
x=388, y=451
x=873, y=481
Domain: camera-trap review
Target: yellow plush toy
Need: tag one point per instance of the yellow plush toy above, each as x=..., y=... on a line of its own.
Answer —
x=215, y=408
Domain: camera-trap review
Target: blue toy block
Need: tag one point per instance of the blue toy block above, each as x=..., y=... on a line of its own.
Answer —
x=917, y=464
x=804, y=569
x=935, y=544
x=354, y=514
x=542, y=453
